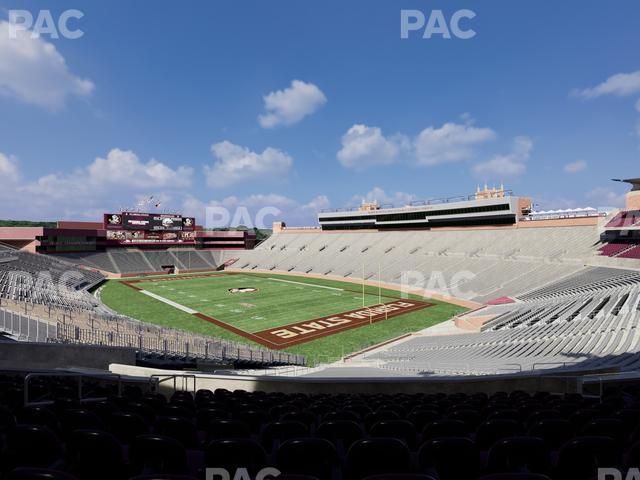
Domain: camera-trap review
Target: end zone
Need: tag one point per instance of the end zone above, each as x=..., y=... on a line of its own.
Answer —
x=302, y=332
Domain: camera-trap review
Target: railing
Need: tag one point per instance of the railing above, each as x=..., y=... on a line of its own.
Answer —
x=159, y=379
x=190, y=347
x=78, y=376
x=536, y=365
x=418, y=203
x=26, y=328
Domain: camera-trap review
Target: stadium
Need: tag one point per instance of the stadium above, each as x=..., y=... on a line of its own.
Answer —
x=319, y=240
x=466, y=304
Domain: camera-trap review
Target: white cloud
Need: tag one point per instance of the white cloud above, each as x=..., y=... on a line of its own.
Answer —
x=364, y=146
x=105, y=183
x=450, y=143
x=377, y=194
x=510, y=165
x=33, y=71
x=620, y=84
x=8, y=168
x=123, y=167
x=256, y=209
x=237, y=163
x=606, y=197
x=289, y=106
x=120, y=170
x=575, y=167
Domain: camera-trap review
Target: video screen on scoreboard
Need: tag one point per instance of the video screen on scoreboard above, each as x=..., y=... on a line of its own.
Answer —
x=148, y=222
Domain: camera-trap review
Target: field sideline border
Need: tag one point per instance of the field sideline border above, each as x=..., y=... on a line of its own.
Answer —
x=271, y=340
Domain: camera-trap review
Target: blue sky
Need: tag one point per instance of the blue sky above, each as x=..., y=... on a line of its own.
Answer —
x=312, y=104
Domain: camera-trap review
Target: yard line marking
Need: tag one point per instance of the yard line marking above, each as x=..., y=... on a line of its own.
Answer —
x=306, y=284
x=169, y=302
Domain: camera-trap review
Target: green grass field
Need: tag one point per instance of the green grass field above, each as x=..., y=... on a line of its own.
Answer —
x=280, y=300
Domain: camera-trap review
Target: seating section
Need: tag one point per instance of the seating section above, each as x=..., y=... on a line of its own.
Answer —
x=141, y=261
x=626, y=218
x=53, y=291
x=615, y=248
x=588, y=321
x=473, y=264
x=143, y=435
x=620, y=250
x=631, y=253
x=42, y=280
x=589, y=280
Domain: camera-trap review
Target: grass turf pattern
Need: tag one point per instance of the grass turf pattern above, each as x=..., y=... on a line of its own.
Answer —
x=280, y=300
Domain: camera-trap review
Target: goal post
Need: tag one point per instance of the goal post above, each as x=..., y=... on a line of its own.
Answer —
x=380, y=303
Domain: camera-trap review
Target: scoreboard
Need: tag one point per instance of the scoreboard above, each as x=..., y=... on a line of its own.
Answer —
x=148, y=222
x=141, y=228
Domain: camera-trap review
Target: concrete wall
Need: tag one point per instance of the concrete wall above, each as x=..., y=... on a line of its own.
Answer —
x=614, y=262
x=560, y=222
x=633, y=200
x=26, y=355
x=314, y=385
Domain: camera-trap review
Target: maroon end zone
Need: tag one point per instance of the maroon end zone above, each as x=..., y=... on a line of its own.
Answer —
x=302, y=332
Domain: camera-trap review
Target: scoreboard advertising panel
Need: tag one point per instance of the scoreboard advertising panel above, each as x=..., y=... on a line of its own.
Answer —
x=148, y=222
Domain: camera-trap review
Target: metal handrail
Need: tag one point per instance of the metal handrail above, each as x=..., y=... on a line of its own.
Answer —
x=514, y=365
x=79, y=376
x=432, y=201
x=564, y=364
x=163, y=378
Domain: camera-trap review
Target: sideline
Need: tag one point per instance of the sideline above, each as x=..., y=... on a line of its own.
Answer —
x=170, y=302
x=305, y=284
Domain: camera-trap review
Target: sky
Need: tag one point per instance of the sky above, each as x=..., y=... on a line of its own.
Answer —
x=299, y=106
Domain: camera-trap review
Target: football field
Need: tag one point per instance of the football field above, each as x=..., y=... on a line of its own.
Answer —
x=299, y=314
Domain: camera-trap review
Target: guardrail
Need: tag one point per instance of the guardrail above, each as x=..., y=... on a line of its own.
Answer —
x=417, y=203
x=191, y=347
x=78, y=376
x=159, y=379
x=162, y=342
x=27, y=328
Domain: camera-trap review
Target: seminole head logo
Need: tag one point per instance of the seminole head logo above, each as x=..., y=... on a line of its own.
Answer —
x=243, y=290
